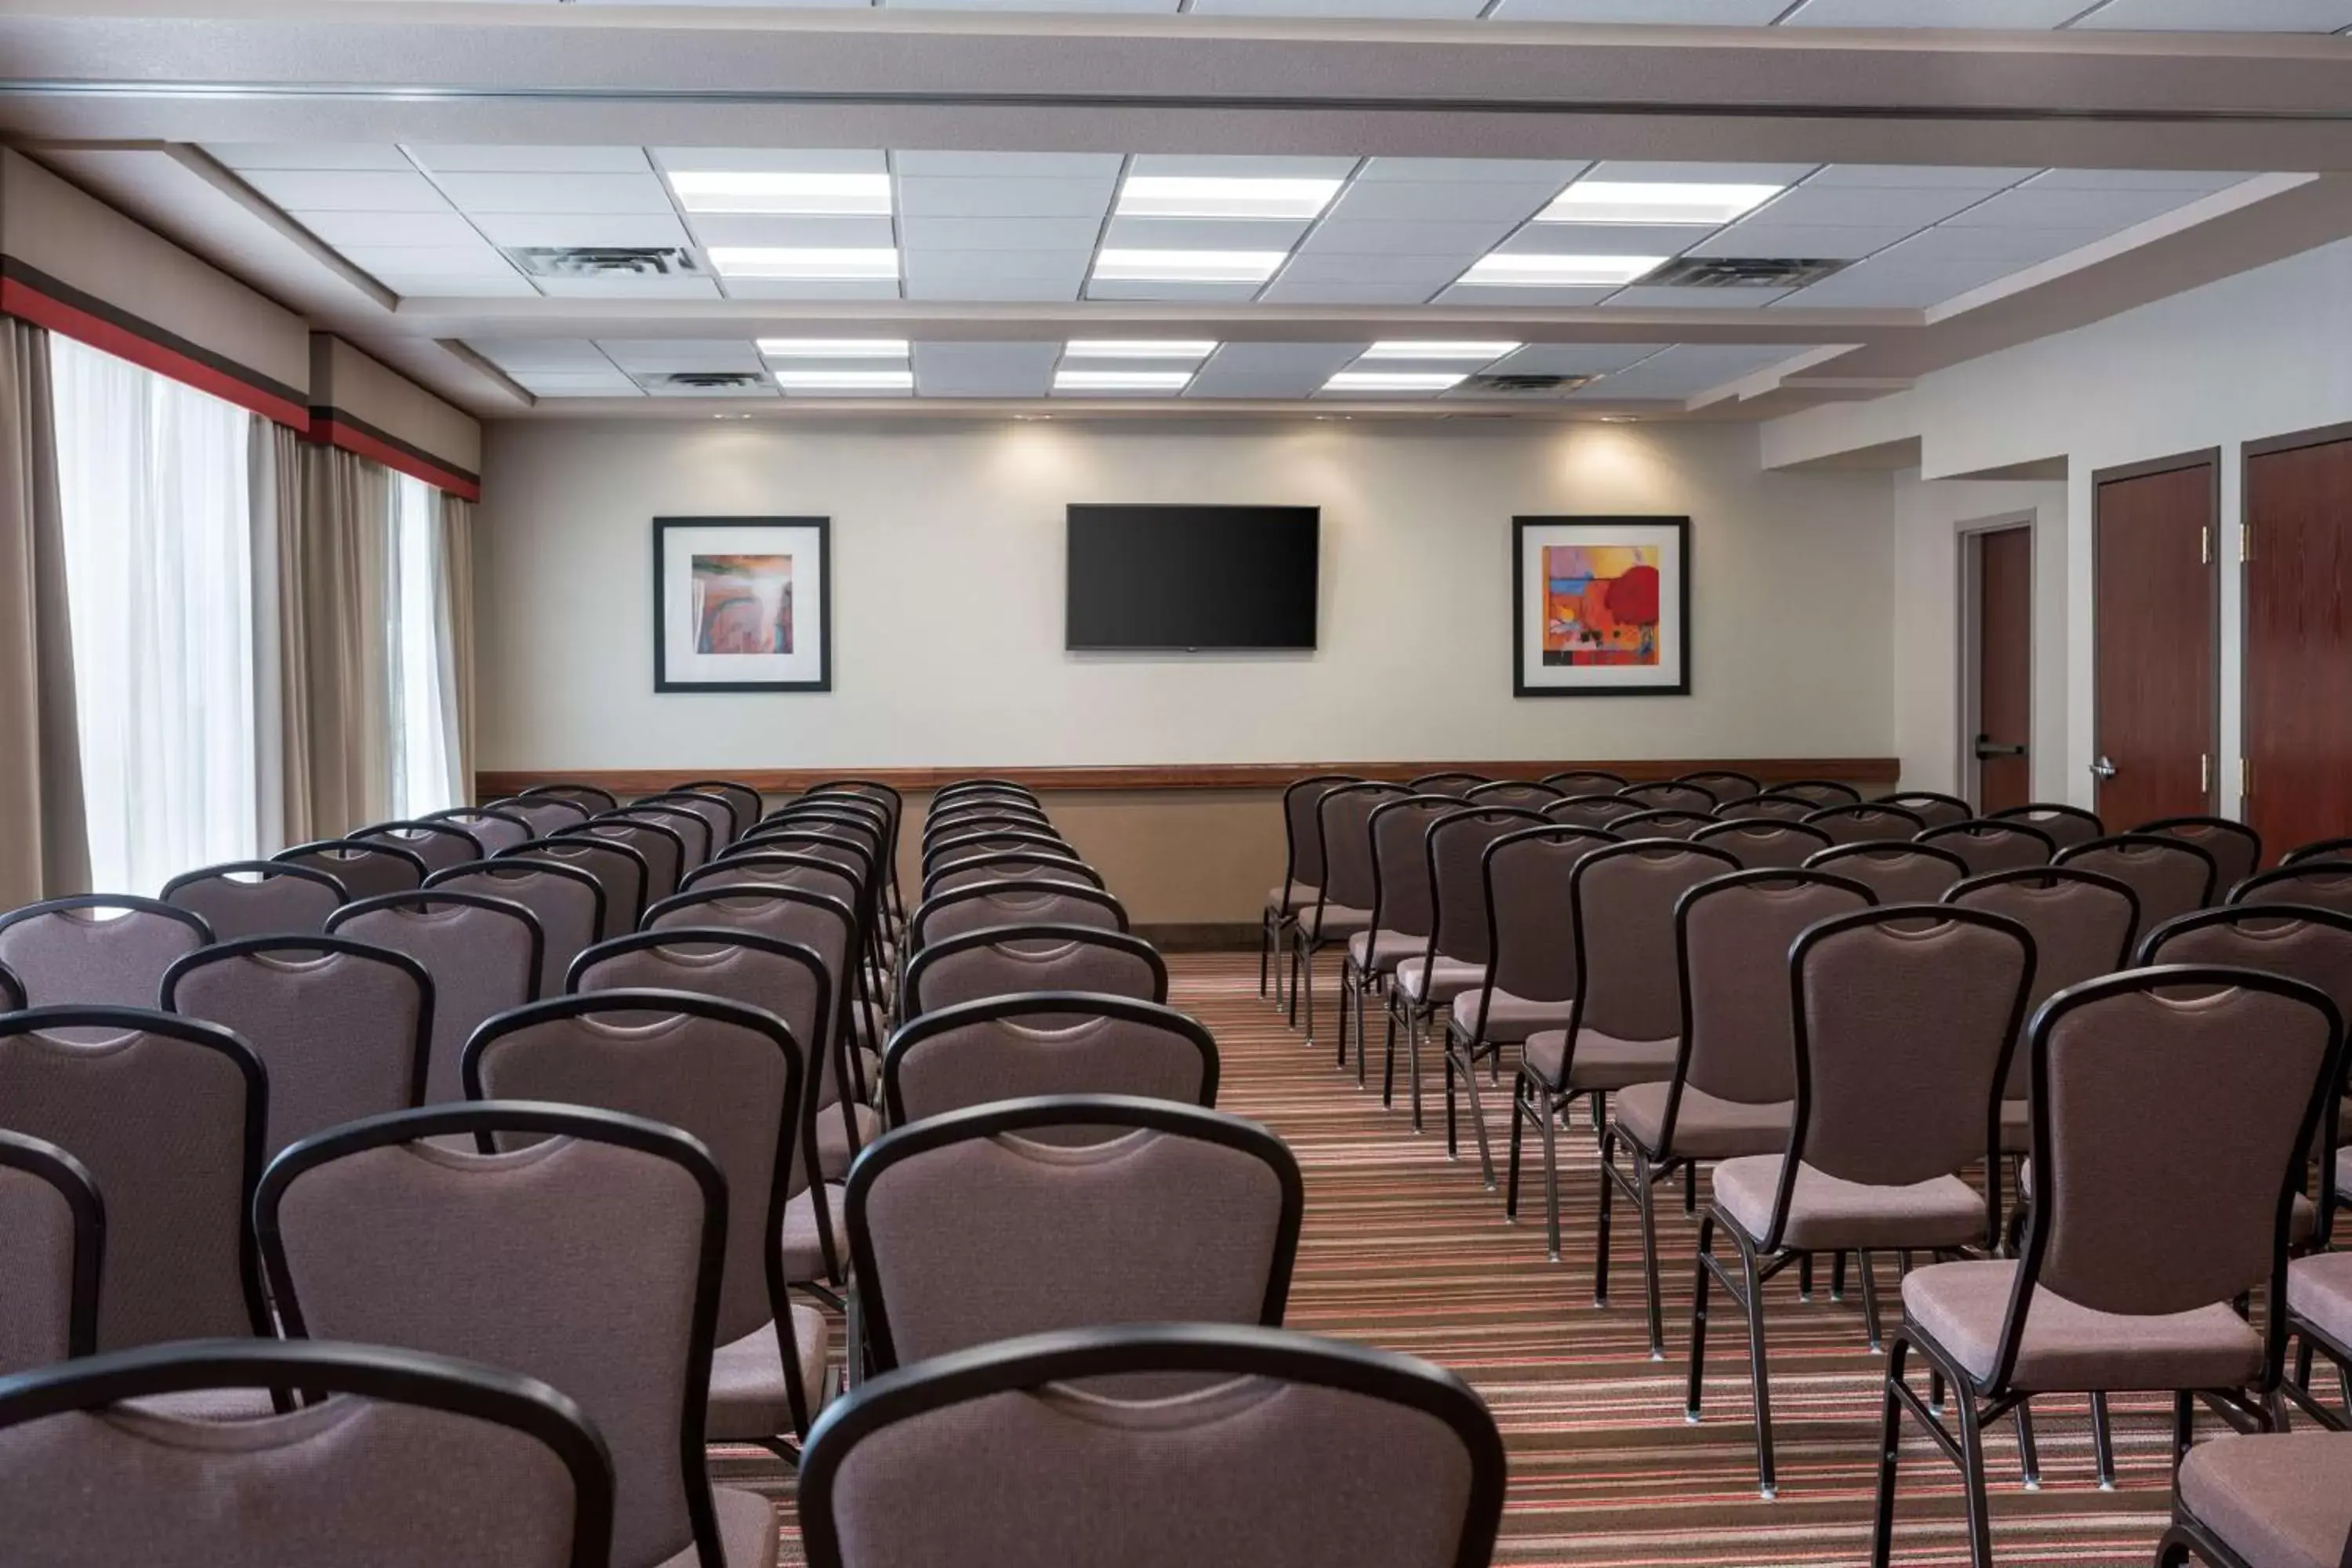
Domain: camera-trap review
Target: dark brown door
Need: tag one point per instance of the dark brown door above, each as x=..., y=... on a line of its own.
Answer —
x=2298, y=727
x=2004, y=668
x=2155, y=631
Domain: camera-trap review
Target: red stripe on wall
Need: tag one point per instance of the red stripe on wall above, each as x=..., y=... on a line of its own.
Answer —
x=20, y=299
x=329, y=431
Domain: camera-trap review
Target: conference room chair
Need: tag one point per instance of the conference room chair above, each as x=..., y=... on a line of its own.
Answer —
x=1455, y=784
x=1530, y=982
x=1590, y=810
x=1898, y=873
x=546, y=814
x=2318, y=850
x=852, y=846
x=372, y=1235
x=483, y=955
x=1018, y=901
x=1985, y=844
x=1521, y=792
x=1821, y=791
x=2167, y=1142
x=1054, y=1042
x=1931, y=806
x=1342, y=905
x=619, y=872
x=983, y=814
x=696, y=844
x=1012, y=960
x=440, y=845
x=594, y=797
x=256, y=898
x=1666, y=796
x=1454, y=958
x=869, y=822
x=958, y=846
x=658, y=846
x=1769, y=806
x=413, y=1459
x=1868, y=823
x=12, y=990
x=2169, y=875
x=2269, y=1499
x=1626, y=1023
x=1904, y=1019
x=363, y=869
x=1760, y=842
x=342, y=1029
x=565, y=902
x=871, y=794
x=731, y=1076
x=980, y=784
x=1574, y=782
x=781, y=867
x=1013, y=865
x=2324, y=884
x=1402, y=914
x=165, y=1113
x=52, y=1236
x=2065, y=826
x=1097, y=1209
x=2236, y=848
x=1302, y=874
x=1723, y=784
x=1663, y=822
x=96, y=949
x=1731, y=1088
x=749, y=803
x=1308, y=1450
x=721, y=824
x=2319, y=1310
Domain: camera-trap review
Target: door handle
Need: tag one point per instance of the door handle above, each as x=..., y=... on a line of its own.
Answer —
x=2103, y=769
x=1985, y=749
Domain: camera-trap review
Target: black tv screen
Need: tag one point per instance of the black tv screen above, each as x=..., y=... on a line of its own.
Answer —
x=1192, y=576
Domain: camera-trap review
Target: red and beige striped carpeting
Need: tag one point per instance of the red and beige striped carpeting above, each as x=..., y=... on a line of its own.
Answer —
x=1406, y=1251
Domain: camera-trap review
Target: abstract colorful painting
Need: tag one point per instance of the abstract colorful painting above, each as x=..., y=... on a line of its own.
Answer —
x=742, y=603
x=1601, y=605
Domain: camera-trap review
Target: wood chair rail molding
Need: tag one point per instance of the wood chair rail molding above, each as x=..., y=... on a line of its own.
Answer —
x=630, y=782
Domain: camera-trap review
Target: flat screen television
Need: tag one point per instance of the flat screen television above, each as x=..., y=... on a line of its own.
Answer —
x=1191, y=577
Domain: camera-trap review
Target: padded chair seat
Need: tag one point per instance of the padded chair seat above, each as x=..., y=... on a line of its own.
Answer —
x=1453, y=977
x=833, y=1150
x=2073, y=1349
x=2319, y=1289
x=1302, y=897
x=1706, y=1127
x=749, y=1397
x=1509, y=1019
x=1332, y=922
x=804, y=1258
x=2276, y=1502
x=1826, y=1213
x=747, y=1531
x=1380, y=952
x=1603, y=1061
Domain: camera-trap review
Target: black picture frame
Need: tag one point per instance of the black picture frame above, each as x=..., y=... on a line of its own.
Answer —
x=1522, y=605
x=665, y=528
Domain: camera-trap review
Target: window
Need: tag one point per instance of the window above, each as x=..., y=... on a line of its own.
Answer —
x=153, y=480
x=423, y=705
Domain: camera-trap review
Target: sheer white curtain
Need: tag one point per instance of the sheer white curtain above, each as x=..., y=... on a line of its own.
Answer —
x=153, y=487
x=425, y=750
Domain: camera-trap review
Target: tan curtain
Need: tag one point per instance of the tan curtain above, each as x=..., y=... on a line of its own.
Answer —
x=44, y=840
x=457, y=580
x=335, y=565
x=281, y=706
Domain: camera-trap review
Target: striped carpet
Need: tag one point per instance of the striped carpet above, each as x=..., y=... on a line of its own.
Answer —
x=1406, y=1251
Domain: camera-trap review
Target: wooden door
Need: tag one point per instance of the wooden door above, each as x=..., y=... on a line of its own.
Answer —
x=2155, y=624
x=2298, y=633
x=2005, y=675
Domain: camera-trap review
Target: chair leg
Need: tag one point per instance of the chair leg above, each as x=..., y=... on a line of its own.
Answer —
x=1837, y=1276
x=1890, y=1452
x=2029, y=1453
x=1645, y=1196
x=1758, y=1374
x=1412, y=1057
x=1296, y=947
x=1264, y=952
x=1610, y=1181
x=1805, y=1277
x=1870, y=1305
x=1478, y=1116
x=1702, y=1277
x=2184, y=1426
x=2103, y=1442
x=1690, y=1187
x=1518, y=1125
x=1972, y=1481
x=1308, y=950
x=1445, y=1054
x=1387, y=1068
x=1551, y=1130
x=1350, y=997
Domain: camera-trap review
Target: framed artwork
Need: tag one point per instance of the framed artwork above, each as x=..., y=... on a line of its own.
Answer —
x=1600, y=606
x=742, y=603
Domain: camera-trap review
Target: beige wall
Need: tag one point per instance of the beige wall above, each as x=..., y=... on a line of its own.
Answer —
x=344, y=378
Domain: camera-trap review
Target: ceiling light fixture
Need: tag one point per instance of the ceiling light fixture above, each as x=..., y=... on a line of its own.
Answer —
x=1613, y=200
x=1136, y=348
x=1405, y=348
x=1394, y=381
x=1188, y=266
x=834, y=348
x=1162, y=196
x=845, y=380
x=1121, y=380
x=813, y=264
x=1521, y=270
x=768, y=191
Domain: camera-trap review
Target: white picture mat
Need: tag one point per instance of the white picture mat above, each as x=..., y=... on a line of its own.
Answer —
x=804, y=544
x=1667, y=538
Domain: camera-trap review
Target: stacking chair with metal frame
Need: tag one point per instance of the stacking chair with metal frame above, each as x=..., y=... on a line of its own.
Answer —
x=619, y=872
x=1868, y=823
x=415, y=1458
x=566, y=903
x=440, y=845
x=874, y=792
x=1821, y=791
x=373, y=1233
x=2324, y=884
x=964, y=845
x=757, y=868
x=1590, y=810
x=493, y=827
x=1768, y=805
x=2236, y=848
x=1732, y=1087
x=1343, y=904
x=721, y=825
x=1904, y=1019
x=980, y=783
x=256, y=898
x=595, y=797
x=1018, y=901
x=2318, y=850
x=1931, y=806
x=61, y=955
x=696, y=841
x=1984, y=844
x=1661, y=794
x=2262, y=1500
x=2065, y=825
x=748, y=802
x=363, y=870
x=1663, y=822
x=981, y=814
x=1723, y=784
x=2169, y=875
x=1760, y=842
x=1454, y=782
x=1006, y=960
x=1054, y=1042
x=1400, y=909
x=1626, y=1025
x=1302, y=1450
x=545, y=814
x=1911, y=873
x=12, y=990
x=1575, y=782
x=484, y=955
x=658, y=846
x=1514, y=792
x=2172, y=1108
x=1011, y=867
x=52, y=1237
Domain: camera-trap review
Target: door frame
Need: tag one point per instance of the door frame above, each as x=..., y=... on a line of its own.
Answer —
x=2269, y=446
x=1969, y=537
x=2147, y=468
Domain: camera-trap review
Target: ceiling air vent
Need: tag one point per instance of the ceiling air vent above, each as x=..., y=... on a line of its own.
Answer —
x=1740, y=272
x=604, y=260
x=1509, y=385
x=707, y=382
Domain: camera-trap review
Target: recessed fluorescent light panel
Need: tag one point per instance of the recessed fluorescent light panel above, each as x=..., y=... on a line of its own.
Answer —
x=1188, y=266
x=1433, y=348
x=1137, y=348
x=807, y=262
x=1394, y=381
x=834, y=348
x=1519, y=269
x=1612, y=201
x=1162, y=195
x=1121, y=380
x=845, y=380
x=762, y=191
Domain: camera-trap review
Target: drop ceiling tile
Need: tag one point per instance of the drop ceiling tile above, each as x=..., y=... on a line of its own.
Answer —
x=1014, y=197
x=1122, y=289
x=2197, y=181
x=998, y=290
x=1270, y=370
x=347, y=190
x=557, y=193
x=985, y=370
x=1163, y=165
x=1434, y=201
x=1429, y=272
x=1204, y=234
x=1605, y=239
x=1550, y=171
x=653, y=356
x=1574, y=359
x=583, y=228
x=512, y=354
x=608, y=382
x=812, y=288
x=448, y=160
x=1504, y=294
x=242, y=155
x=1664, y=13
x=1915, y=176
x=1886, y=283
x=440, y=260
x=392, y=229
x=1750, y=237
x=2222, y=16
x=1662, y=298
x=1830, y=205
x=2025, y=15
x=1685, y=370
x=1702, y=173
x=456, y=284
x=919, y=165
x=1072, y=234
x=656, y=387
x=1351, y=236
x=939, y=266
x=2058, y=207
x=791, y=229
x=773, y=159
x=1453, y=10
x=1130, y=6
x=629, y=287
x=1292, y=292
